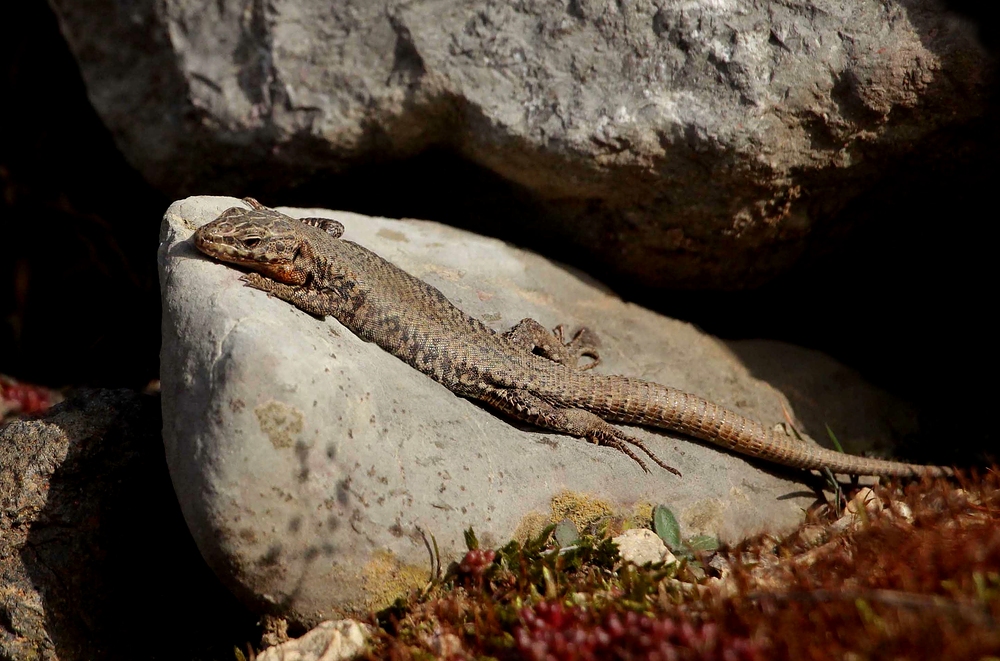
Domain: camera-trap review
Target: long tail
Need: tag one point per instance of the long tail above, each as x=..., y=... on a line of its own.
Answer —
x=634, y=401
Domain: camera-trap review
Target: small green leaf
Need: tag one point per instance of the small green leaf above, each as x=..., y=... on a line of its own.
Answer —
x=238, y=654
x=566, y=533
x=551, y=591
x=833, y=437
x=470, y=540
x=702, y=543
x=665, y=525
x=436, y=559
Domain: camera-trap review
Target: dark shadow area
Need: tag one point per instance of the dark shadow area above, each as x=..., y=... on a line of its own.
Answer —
x=435, y=185
x=983, y=14
x=906, y=299
x=79, y=302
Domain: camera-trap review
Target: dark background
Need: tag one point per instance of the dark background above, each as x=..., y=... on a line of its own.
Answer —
x=906, y=299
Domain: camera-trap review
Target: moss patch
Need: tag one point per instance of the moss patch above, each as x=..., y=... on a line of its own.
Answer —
x=386, y=579
x=580, y=508
x=531, y=525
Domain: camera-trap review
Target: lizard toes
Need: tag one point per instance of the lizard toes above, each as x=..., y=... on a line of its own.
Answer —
x=585, y=344
x=255, y=280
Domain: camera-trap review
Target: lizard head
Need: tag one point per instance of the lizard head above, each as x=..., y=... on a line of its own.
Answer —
x=264, y=240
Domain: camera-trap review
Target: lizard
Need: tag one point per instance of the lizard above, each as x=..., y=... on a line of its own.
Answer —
x=529, y=373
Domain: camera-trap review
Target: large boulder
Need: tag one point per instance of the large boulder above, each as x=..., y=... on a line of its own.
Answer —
x=314, y=468
x=693, y=144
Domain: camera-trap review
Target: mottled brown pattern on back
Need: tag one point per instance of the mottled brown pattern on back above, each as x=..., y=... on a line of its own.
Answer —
x=529, y=373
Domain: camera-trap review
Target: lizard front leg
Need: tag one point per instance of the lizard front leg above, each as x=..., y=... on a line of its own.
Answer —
x=522, y=405
x=318, y=302
x=535, y=338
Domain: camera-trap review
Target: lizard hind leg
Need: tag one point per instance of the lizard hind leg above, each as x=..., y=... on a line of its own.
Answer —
x=535, y=338
x=597, y=430
x=522, y=405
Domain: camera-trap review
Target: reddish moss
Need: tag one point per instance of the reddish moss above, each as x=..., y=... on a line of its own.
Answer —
x=918, y=580
x=553, y=632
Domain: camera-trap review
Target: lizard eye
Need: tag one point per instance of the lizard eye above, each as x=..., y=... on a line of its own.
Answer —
x=251, y=242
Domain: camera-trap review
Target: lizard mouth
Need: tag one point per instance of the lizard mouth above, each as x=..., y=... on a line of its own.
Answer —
x=219, y=249
x=229, y=250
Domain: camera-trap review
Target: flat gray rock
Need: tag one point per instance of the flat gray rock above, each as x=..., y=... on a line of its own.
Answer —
x=313, y=467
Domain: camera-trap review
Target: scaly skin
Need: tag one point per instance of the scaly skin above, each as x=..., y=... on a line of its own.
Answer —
x=529, y=373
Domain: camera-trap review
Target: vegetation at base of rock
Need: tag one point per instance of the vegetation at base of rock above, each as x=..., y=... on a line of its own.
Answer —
x=918, y=579
x=667, y=528
x=552, y=630
x=665, y=525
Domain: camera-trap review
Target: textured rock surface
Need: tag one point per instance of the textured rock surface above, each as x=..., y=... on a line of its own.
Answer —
x=329, y=641
x=310, y=465
x=641, y=546
x=95, y=562
x=700, y=143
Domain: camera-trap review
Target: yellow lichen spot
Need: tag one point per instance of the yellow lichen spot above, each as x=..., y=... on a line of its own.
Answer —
x=640, y=517
x=281, y=422
x=704, y=516
x=530, y=526
x=581, y=509
x=392, y=235
x=385, y=579
x=536, y=297
x=451, y=275
x=737, y=494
